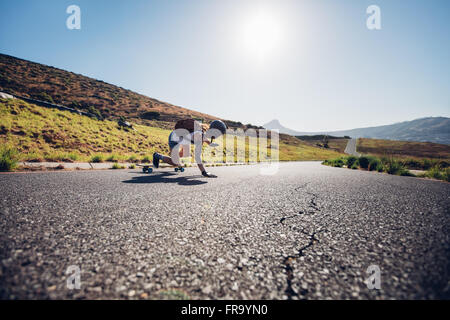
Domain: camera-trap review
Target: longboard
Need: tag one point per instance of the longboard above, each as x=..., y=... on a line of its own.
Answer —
x=148, y=168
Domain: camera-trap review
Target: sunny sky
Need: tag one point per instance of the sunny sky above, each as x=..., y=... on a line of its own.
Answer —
x=314, y=65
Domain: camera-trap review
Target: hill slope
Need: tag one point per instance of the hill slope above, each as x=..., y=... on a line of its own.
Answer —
x=41, y=82
x=40, y=133
x=432, y=129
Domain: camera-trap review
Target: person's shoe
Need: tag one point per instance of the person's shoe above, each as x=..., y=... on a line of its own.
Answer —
x=156, y=159
x=208, y=175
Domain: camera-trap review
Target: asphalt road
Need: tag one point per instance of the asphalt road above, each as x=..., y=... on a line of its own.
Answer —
x=351, y=148
x=309, y=232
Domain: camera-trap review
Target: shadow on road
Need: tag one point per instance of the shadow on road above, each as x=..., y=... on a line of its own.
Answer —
x=164, y=177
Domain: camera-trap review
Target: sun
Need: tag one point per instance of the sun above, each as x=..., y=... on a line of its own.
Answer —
x=261, y=35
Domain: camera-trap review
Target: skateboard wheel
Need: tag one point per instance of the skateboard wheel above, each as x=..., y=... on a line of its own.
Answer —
x=150, y=170
x=176, y=169
x=182, y=169
x=144, y=170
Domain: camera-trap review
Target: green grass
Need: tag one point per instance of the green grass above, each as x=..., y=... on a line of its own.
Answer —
x=49, y=134
x=337, y=162
x=117, y=166
x=370, y=163
x=96, y=158
x=8, y=159
x=44, y=134
x=437, y=173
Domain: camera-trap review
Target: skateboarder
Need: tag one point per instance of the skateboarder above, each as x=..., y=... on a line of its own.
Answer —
x=196, y=135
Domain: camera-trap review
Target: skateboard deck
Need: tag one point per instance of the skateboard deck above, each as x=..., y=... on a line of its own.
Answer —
x=148, y=168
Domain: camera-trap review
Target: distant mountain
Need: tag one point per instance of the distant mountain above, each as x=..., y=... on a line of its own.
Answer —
x=432, y=129
x=276, y=125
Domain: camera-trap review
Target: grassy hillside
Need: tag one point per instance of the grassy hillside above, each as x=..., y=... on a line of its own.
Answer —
x=403, y=149
x=40, y=133
x=48, y=134
x=45, y=83
x=337, y=144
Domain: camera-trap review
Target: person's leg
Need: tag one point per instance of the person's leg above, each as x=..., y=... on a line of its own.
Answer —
x=173, y=162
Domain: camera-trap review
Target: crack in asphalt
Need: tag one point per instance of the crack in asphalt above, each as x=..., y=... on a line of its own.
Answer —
x=313, y=202
x=290, y=292
x=287, y=261
x=312, y=205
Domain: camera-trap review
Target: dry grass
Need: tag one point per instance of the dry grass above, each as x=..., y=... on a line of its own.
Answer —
x=403, y=149
x=50, y=84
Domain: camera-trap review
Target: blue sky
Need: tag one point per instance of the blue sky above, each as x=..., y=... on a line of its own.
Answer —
x=313, y=65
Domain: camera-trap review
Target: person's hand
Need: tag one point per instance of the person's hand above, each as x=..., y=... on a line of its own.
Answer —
x=208, y=175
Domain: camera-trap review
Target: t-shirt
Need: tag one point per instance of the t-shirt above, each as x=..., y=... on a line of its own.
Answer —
x=187, y=139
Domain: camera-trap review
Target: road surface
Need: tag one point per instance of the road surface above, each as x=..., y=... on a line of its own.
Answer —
x=309, y=232
x=351, y=148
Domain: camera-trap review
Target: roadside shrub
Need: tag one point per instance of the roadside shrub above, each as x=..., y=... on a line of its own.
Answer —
x=380, y=167
x=446, y=175
x=443, y=164
x=338, y=163
x=350, y=160
x=146, y=159
x=413, y=164
x=73, y=156
x=406, y=173
x=427, y=164
x=393, y=167
x=61, y=156
x=8, y=159
x=374, y=164
x=364, y=162
x=113, y=158
x=354, y=166
x=435, y=173
x=132, y=166
x=133, y=158
x=97, y=158
x=117, y=166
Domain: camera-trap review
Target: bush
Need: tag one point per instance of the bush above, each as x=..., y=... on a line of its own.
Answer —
x=364, y=162
x=351, y=160
x=413, y=164
x=132, y=166
x=435, y=173
x=443, y=164
x=380, y=167
x=151, y=115
x=374, y=164
x=406, y=173
x=427, y=164
x=8, y=159
x=338, y=162
x=354, y=166
x=44, y=96
x=446, y=175
x=113, y=158
x=95, y=112
x=97, y=158
x=394, y=167
x=132, y=159
x=117, y=166
x=146, y=159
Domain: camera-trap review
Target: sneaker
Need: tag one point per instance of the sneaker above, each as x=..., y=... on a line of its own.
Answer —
x=156, y=160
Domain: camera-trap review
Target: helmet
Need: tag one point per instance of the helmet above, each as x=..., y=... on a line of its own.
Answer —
x=219, y=125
